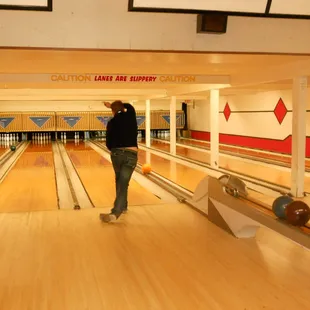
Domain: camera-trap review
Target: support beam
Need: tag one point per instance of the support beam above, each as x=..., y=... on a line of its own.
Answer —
x=173, y=129
x=148, y=123
x=214, y=121
x=299, y=136
x=197, y=88
x=275, y=73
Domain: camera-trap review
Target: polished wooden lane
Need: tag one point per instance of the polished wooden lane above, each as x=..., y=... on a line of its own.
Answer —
x=197, y=154
x=241, y=151
x=31, y=184
x=159, y=257
x=180, y=174
x=97, y=176
x=258, y=155
x=261, y=171
x=2, y=149
x=189, y=178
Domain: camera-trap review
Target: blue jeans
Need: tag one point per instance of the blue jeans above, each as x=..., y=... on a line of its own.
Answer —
x=124, y=163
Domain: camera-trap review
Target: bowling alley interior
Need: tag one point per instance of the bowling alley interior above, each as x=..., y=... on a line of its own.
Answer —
x=219, y=202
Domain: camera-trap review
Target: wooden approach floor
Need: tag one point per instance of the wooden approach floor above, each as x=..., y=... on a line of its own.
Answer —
x=156, y=257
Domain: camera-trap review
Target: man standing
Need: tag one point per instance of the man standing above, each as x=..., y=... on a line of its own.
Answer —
x=121, y=140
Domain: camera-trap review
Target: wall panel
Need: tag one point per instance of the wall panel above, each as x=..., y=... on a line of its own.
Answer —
x=99, y=120
x=11, y=122
x=38, y=121
x=161, y=120
x=140, y=115
x=72, y=121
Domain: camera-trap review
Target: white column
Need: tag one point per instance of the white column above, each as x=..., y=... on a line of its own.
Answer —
x=173, y=129
x=214, y=127
x=299, y=135
x=148, y=123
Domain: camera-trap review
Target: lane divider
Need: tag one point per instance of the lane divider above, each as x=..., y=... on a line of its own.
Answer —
x=78, y=192
x=11, y=160
x=66, y=199
x=8, y=153
x=4, y=156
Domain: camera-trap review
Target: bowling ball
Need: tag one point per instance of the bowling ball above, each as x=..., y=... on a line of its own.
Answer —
x=297, y=213
x=13, y=148
x=280, y=204
x=146, y=169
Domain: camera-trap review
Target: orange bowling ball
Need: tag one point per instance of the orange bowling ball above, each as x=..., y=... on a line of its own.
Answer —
x=146, y=168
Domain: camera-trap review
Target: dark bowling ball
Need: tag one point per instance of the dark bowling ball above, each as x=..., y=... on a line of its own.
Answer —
x=280, y=204
x=13, y=148
x=297, y=213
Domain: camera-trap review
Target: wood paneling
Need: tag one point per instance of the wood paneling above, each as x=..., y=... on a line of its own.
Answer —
x=11, y=122
x=72, y=121
x=99, y=120
x=39, y=121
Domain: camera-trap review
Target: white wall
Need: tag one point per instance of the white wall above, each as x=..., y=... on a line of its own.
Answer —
x=258, y=121
x=199, y=115
x=106, y=24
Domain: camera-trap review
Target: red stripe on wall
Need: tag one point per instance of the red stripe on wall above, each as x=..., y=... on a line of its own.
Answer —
x=265, y=144
x=200, y=135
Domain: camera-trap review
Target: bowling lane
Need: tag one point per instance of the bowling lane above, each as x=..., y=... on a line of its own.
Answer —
x=3, y=149
x=261, y=171
x=31, y=184
x=97, y=176
x=281, y=159
x=180, y=174
x=198, y=155
x=183, y=175
x=189, y=178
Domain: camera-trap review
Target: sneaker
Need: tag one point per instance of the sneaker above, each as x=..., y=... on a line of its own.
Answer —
x=107, y=218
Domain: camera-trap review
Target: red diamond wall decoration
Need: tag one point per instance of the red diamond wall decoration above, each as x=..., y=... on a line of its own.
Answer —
x=280, y=111
x=227, y=112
